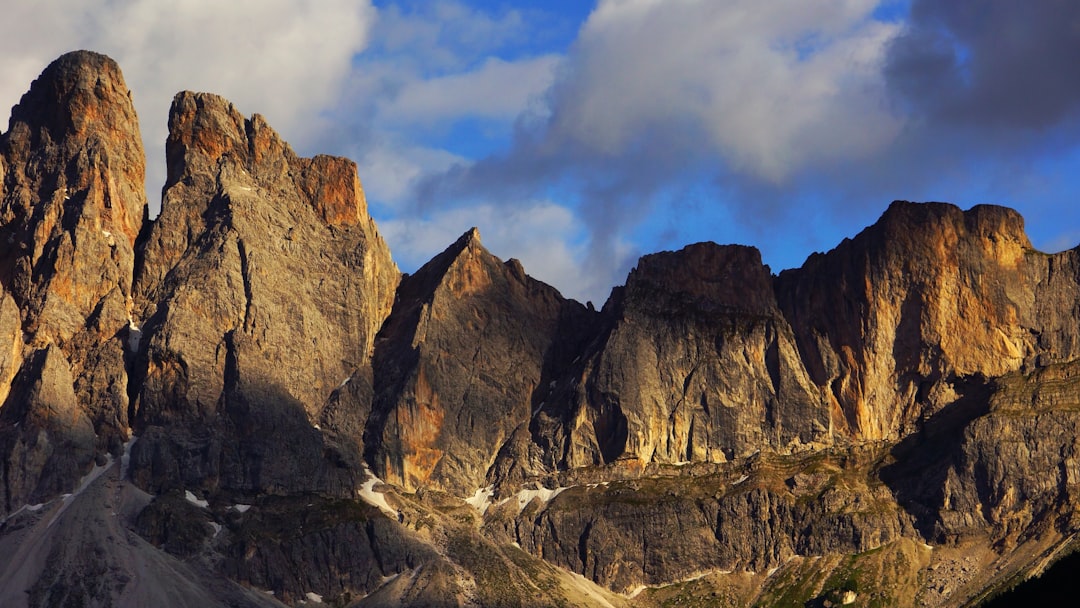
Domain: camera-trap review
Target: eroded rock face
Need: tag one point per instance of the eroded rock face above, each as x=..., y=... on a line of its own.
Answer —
x=261, y=288
x=72, y=205
x=929, y=297
x=458, y=367
x=697, y=363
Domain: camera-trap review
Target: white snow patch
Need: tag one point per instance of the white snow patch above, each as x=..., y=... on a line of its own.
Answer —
x=31, y=508
x=216, y=527
x=241, y=508
x=369, y=495
x=125, y=458
x=740, y=480
x=344, y=382
x=317, y=427
x=524, y=497
x=134, y=339
x=314, y=597
x=481, y=499
x=188, y=496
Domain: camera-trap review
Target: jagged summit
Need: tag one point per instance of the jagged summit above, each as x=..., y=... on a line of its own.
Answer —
x=245, y=395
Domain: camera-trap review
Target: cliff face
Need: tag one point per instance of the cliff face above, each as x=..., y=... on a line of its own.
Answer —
x=244, y=395
x=260, y=290
x=72, y=173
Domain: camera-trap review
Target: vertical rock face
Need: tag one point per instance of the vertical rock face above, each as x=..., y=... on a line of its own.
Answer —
x=893, y=322
x=697, y=364
x=458, y=365
x=72, y=171
x=262, y=286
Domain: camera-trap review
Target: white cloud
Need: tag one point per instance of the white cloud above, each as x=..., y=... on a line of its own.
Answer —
x=389, y=171
x=772, y=88
x=496, y=90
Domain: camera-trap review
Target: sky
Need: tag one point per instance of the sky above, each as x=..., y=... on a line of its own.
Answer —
x=578, y=136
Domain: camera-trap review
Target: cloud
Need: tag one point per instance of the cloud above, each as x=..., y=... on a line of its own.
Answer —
x=285, y=59
x=495, y=90
x=991, y=64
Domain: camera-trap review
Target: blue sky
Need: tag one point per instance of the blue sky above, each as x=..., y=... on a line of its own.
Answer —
x=578, y=136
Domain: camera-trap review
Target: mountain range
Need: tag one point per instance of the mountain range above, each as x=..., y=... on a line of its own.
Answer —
x=244, y=402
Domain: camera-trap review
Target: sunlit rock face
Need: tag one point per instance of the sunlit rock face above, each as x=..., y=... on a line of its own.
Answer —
x=894, y=323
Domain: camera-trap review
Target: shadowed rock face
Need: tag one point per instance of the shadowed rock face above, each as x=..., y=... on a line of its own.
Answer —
x=261, y=287
x=716, y=432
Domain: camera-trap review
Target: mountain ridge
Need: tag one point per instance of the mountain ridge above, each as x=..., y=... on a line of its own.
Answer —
x=465, y=435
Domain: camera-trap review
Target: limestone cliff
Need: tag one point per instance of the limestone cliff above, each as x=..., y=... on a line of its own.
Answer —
x=72, y=204
x=243, y=402
x=696, y=364
x=260, y=290
x=460, y=365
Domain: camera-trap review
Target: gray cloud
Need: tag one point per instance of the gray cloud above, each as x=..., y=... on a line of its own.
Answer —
x=991, y=64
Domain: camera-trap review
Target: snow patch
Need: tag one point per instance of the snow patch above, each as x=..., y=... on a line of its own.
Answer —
x=314, y=597
x=378, y=499
x=740, y=480
x=344, y=382
x=134, y=338
x=240, y=508
x=481, y=499
x=188, y=496
x=217, y=528
x=125, y=458
x=544, y=495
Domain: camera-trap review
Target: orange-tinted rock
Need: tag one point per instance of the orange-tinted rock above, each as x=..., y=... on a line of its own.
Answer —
x=72, y=206
x=262, y=286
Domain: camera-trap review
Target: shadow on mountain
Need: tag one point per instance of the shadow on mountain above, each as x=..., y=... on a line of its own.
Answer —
x=259, y=441
x=922, y=460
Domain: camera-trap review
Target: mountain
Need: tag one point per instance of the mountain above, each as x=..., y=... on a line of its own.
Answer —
x=243, y=401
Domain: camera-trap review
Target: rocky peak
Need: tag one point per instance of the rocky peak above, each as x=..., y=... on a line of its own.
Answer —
x=893, y=320
x=74, y=175
x=72, y=205
x=708, y=277
x=458, y=366
x=263, y=285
